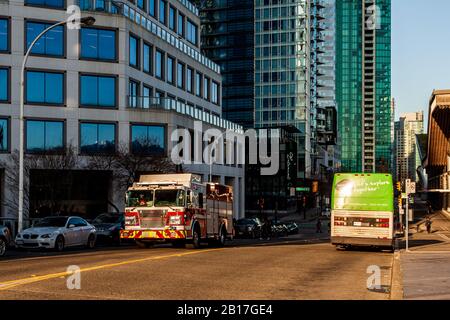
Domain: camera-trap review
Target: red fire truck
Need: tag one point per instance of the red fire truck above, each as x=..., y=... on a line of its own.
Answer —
x=178, y=208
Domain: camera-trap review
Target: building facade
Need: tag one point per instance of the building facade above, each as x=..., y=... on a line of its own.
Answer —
x=363, y=84
x=121, y=86
x=407, y=158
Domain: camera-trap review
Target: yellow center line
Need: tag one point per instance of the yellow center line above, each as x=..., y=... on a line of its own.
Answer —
x=18, y=282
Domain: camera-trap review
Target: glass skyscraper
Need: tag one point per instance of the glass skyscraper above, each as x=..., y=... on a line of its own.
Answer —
x=363, y=84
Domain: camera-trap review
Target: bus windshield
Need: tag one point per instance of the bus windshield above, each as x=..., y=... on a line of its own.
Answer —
x=170, y=198
x=140, y=198
x=357, y=192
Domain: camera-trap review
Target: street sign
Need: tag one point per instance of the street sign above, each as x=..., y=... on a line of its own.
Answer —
x=412, y=187
x=303, y=189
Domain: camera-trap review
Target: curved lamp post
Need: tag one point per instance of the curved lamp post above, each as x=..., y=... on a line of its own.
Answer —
x=86, y=21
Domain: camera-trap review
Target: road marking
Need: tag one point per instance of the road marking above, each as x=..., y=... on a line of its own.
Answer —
x=443, y=236
x=18, y=282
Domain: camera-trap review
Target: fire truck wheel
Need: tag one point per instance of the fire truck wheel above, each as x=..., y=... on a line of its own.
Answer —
x=196, y=237
x=144, y=244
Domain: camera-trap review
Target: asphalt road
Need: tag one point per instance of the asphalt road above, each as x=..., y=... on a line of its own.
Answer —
x=251, y=270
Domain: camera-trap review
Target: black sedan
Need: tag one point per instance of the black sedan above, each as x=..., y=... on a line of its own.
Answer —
x=108, y=227
x=245, y=228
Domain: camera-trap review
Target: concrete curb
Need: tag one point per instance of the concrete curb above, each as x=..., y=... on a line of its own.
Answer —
x=396, y=278
x=446, y=214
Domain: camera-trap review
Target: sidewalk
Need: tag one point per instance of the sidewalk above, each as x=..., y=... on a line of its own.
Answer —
x=425, y=268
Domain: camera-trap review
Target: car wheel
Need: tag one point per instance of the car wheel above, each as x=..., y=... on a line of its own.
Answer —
x=91, y=242
x=2, y=247
x=59, y=244
x=196, y=238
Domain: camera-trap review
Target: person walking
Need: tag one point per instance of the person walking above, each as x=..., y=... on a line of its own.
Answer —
x=428, y=223
x=319, y=226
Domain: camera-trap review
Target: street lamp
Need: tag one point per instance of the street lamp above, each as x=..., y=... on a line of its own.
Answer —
x=86, y=21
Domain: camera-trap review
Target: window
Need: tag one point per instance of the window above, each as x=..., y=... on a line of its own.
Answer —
x=4, y=135
x=46, y=3
x=206, y=88
x=159, y=64
x=170, y=70
x=198, y=84
x=45, y=87
x=98, y=91
x=147, y=58
x=162, y=11
x=98, y=44
x=134, y=51
x=180, y=75
x=147, y=93
x=180, y=24
x=51, y=43
x=152, y=7
x=4, y=35
x=147, y=139
x=44, y=136
x=4, y=84
x=191, y=35
x=97, y=138
x=133, y=94
x=215, y=92
x=189, y=79
x=141, y=4
x=172, y=18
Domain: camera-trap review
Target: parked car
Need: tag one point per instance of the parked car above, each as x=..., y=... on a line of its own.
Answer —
x=108, y=226
x=5, y=240
x=279, y=229
x=292, y=227
x=58, y=233
x=249, y=227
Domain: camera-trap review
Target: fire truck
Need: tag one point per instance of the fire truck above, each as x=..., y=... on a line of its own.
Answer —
x=180, y=209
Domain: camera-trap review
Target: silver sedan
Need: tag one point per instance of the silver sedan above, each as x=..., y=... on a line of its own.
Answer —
x=58, y=233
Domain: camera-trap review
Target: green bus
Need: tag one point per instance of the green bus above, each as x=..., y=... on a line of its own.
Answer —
x=362, y=210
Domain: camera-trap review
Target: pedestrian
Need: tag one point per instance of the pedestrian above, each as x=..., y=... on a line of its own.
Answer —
x=428, y=223
x=319, y=226
x=267, y=229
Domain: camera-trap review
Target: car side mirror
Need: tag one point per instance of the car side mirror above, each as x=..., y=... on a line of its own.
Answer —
x=71, y=226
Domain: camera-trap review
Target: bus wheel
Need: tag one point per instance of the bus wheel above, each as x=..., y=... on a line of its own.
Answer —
x=144, y=244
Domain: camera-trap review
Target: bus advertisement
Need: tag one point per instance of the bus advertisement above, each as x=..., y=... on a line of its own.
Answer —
x=362, y=210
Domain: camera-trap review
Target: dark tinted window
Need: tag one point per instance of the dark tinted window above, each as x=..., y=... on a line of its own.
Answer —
x=98, y=44
x=51, y=43
x=4, y=84
x=147, y=58
x=147, y=139
x=134, y=52
x=4, y=135
x=98, y=91
x=44, y=136
x=45, y=87
x=97, y=138
x=4, y=35
x=46, y=3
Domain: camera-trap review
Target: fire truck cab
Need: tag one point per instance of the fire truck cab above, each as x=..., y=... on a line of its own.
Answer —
x=178, y=208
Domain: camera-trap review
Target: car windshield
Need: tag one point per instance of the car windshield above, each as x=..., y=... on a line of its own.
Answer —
x=140, y=198
x=169, y=198
x=52, y=222
x=108, y=218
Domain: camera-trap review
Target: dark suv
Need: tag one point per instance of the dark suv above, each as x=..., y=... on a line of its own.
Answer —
x=5, y=239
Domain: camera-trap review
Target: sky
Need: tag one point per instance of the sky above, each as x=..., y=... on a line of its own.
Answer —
x=420, y=52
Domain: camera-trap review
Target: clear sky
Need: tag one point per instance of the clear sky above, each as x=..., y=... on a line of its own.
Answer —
x=420, y=51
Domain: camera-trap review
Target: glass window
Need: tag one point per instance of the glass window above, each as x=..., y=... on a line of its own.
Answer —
x=141, y=4
x=180, y=75
x=189, y=79
x=172, y=18
x=180, y=24
x=97, y=138
x=46, y=3
x=98, y=91
x=51, y=43
x=152, y=7
x=134, y=52
x=147, y=139
x=44, y=136
x=98, y=44
x=162, y=11
x=4, y=84
x=206, y=88
x=4, y=35
x=4, y=138
x=45, y=87
x=198, y=84
x=147, y=58
x=147, y=93
x=215, y=92
x=159, y=64
x=170, y=70
x=191, y=35
x=133, y=93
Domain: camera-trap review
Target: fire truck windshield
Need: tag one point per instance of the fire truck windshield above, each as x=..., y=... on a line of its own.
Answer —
x=140, y=198
x=170, y=198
